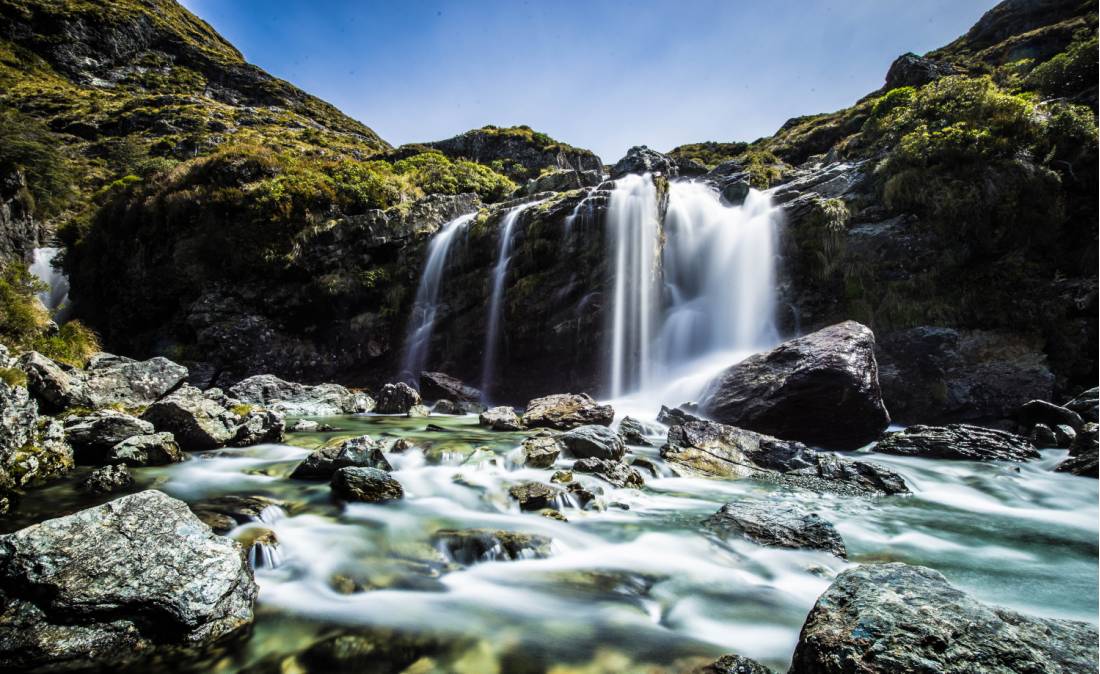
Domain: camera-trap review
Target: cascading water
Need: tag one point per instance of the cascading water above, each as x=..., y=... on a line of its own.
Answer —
x=56, y=295
x=500, y=272
x=422, y=319
x=716, y=269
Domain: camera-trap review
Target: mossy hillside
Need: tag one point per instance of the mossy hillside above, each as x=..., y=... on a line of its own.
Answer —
x=518, y=152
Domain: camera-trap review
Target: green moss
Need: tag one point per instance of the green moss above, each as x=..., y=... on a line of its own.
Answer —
x=13, y=376
x=241, y=409
x=709, y=154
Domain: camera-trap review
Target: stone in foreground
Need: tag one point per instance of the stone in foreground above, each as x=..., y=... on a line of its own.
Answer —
x=565, y=411
x=821, y=389
x=107, y=585
x=594, y=442
x=886, y=618
x=368, y=485
x=777, y=524
x=958, y=441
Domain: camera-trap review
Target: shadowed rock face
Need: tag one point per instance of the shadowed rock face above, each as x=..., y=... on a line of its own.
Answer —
x=107, y=585
x=885, y=618
x=821, y=389
x=958, y=441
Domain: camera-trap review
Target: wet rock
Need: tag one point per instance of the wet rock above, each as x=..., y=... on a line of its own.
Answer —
x=107, y=381
x=322, y=463
x=634, y=432
x=154, y=449
x=369, y=485
x=448, y=407
x=92, y=436
x=261, y=546
x=719, y=450
x=672, y=416
x=958, y=441
x=107, y=479
x=580, y=495
x=440, y=386
x=500, y=419
x=367, y=652
x=1084, y=453
x=535, y=496
x=562, y=477
x=821, y=389
x=732, y=664
x=291, y=398
x=862, y=477
x=396, y=399
x=1064, y=435
x=777, y=524
x=901, y=618
x=1086, y=404
x=1043, y=412
x=564, y=411
x=640, y=159
x=304, y=426
x=599, y=442
x=541, y=450
x=615, y=472
x=418, y=411
x=197, y=420
x=224, y=513
x=107, y=585
x=471, y=546
x=1043, y=436
x=259, y=426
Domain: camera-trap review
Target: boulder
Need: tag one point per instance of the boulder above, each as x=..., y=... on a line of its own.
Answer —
x=304, y=426
x=1084, y=453
x=599, y=442
x=541, y=450
x=396, y=399
x=440, y=386
x=107, y=585
x=1043, y=436
x=634, y=432
x=418, y=411
x=777, y=524
x=18, y=419
x=107, y=381
x=615, y=472
x=821, y=389
x=1086, y=404
x=362, y=483
x=958, y=441
x=197, y=420
x=535, y=496
x=471, y=546
x=291, y=398
x=564, y=411
x=910, y=70
x=833, y=473
x=154, y=449
x=322, y=463
x=1064, y=436
x=500, y=419
x=92, y=436
x=107, y=479
x=898, y=618
x=640, y=159
x=1043, y=412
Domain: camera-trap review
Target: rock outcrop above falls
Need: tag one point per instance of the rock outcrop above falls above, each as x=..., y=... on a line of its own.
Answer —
x=821, y=389
x=886, y=618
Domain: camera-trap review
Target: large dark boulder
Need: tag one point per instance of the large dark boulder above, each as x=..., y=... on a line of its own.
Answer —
x=1043, y=412
x=362, y=483
x=910, y=70
x=599, y=442
x=888, y=618
x=821, y=389
x=197, y=420
x=1084, y=453
x=565, y=411
x=396, y=398
x=777, y=524
x=154, y=449
x=640, y=159
x=440, y=386
x=958, y=441
x=105, y=586
x=33, y=449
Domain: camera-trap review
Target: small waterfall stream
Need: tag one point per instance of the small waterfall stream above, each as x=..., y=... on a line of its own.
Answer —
x=418, y=339
x=55, y=298
x=500, y=273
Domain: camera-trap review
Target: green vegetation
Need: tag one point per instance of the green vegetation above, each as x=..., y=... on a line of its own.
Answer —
x=1069, y=72
x=24, y=324
x=13, y=376
x=27, y=146
x=709, y=154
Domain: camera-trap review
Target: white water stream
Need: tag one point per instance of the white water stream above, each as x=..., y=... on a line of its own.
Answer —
x=56, y=295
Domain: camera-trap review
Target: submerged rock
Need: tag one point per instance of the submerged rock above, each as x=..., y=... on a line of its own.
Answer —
x=154, y=449
x=542, y=449
x=777, y=524
x=535, y=496
x=370, y=485
x=366, y=652
x=396, y=399
x=322, y=463
x=1084, y=453
x=500, y=419
x=440, y=386
x=615, y=472
x=597, y=442
x=958, y=441
x=898, y=618
x=107, y=585
x=821, y=389
x=291, y=398
x=107, y=479
x=92, y=436
x=471, y=546
x=565, y=411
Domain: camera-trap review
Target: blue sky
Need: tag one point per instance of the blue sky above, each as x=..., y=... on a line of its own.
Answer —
x=601, y=74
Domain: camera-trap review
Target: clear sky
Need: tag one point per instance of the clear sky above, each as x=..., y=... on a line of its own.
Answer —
x=601, y=74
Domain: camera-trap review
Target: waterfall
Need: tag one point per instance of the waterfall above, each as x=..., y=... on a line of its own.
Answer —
x=634, y=231
x=418, y=338
x=56, y=296
x=500, y=272
x=714, y=265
